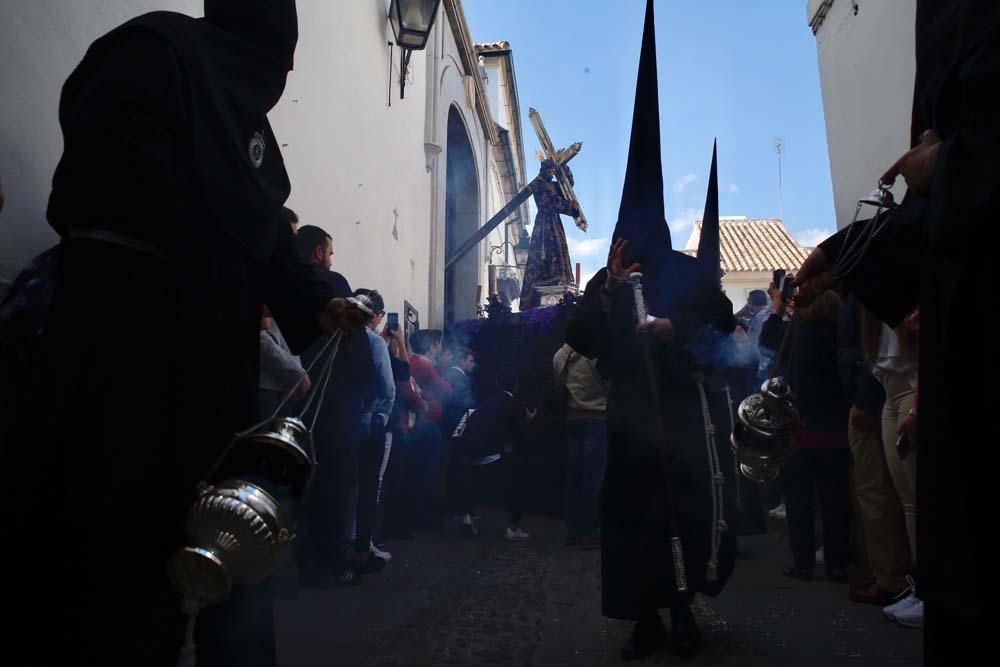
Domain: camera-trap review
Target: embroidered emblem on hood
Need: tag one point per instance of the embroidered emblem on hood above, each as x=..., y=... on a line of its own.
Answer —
x=257, y=147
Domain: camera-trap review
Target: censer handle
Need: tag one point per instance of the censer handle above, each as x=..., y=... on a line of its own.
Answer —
x=318, y=388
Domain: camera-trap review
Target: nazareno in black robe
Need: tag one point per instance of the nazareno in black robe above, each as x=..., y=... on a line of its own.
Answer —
x=941, y=235
x=637, y=571
x=636, y=567
x=168, y=199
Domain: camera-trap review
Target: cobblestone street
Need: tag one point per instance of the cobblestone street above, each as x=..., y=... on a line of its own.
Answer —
x=447, y=600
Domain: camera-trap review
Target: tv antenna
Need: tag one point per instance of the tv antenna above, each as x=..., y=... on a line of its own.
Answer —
x=777, y=148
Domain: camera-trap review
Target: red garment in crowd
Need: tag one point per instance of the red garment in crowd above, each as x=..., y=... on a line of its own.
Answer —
x=410, y=403
x=435, y=390
x=808, y=439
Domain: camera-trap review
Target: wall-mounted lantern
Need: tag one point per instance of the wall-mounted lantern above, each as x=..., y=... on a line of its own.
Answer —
x=411, y=22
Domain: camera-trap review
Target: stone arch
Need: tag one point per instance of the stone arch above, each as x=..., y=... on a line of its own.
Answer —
x=461, y=219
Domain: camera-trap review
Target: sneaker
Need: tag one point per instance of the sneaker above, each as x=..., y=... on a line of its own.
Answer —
x=378, y=553
x=778, y=512
x=903, y=600
x=892, y=611
x=913, y=615
x=469, y=526
x=516, y=534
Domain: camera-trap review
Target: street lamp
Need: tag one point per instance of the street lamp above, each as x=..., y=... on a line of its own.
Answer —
x=521, y=249
x=411, y=22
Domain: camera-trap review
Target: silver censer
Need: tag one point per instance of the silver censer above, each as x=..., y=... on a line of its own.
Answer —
x=243, y=518
x=242, y=522
x=762, y=434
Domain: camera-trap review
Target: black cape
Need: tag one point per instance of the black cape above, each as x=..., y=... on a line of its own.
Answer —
x=958, y=73
x=150, y=356
x=637, y=572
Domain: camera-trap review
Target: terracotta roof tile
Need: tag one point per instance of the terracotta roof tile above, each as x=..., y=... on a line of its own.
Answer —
x=501, y=45
x=753, y=244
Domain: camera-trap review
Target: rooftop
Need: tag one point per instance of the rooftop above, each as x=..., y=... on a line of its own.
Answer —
x=753, y=244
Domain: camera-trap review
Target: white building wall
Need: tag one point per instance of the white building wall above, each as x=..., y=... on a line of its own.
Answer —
x=357, y=164
x=492, y=68
x=371, y=174
x=738, y=284
x=43, y=40
x=866, y=66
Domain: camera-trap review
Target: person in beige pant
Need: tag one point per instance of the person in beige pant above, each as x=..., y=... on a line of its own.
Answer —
x=880, y=528
x=882, y=523
x=898, y=405
x=896, y=369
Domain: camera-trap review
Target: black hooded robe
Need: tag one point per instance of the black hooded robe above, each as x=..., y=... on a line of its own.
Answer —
x=636, y=566
x=637, y=569
x=958, y=74
x=168, y=200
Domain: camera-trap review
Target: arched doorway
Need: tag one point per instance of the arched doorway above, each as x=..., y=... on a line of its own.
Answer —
x=461, y=221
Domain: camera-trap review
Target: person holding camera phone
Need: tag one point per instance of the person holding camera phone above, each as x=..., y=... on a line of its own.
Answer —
x=374, y=429
x=774, y=328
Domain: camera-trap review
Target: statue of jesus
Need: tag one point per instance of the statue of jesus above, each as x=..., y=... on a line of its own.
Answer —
x=548, y=259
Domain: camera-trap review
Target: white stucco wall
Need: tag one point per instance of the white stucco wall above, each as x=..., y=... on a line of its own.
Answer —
x=866, y=66
x=357, y=164
x=371, y=174
x=737, y=285
x=43, y=40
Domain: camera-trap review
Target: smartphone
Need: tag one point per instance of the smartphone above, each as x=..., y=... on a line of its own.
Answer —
x=777, y=277
x=903, y=446
x=787, y=291
x=393, y=322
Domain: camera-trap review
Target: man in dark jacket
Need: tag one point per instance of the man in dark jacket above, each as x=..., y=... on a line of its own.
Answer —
x=326, y=555
x=459, y=376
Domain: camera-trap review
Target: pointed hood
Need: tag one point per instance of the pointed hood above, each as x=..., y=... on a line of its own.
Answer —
x=256, y=37
x=709, y=253
x=269, y=27
x=641, y=218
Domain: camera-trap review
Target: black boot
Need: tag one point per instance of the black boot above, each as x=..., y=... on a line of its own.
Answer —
x=648, y=637
x=685, y=637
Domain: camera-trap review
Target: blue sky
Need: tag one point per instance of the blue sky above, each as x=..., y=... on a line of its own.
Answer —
x=744, y=72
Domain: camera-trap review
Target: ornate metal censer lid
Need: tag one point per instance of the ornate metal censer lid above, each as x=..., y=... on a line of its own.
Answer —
x=770, y=412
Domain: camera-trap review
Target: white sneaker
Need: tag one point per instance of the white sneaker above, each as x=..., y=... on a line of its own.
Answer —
x=892, y=611
x=902, y=601
x=912, y=616
x=516, y=534
x=378, y=553
x=778, y=512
